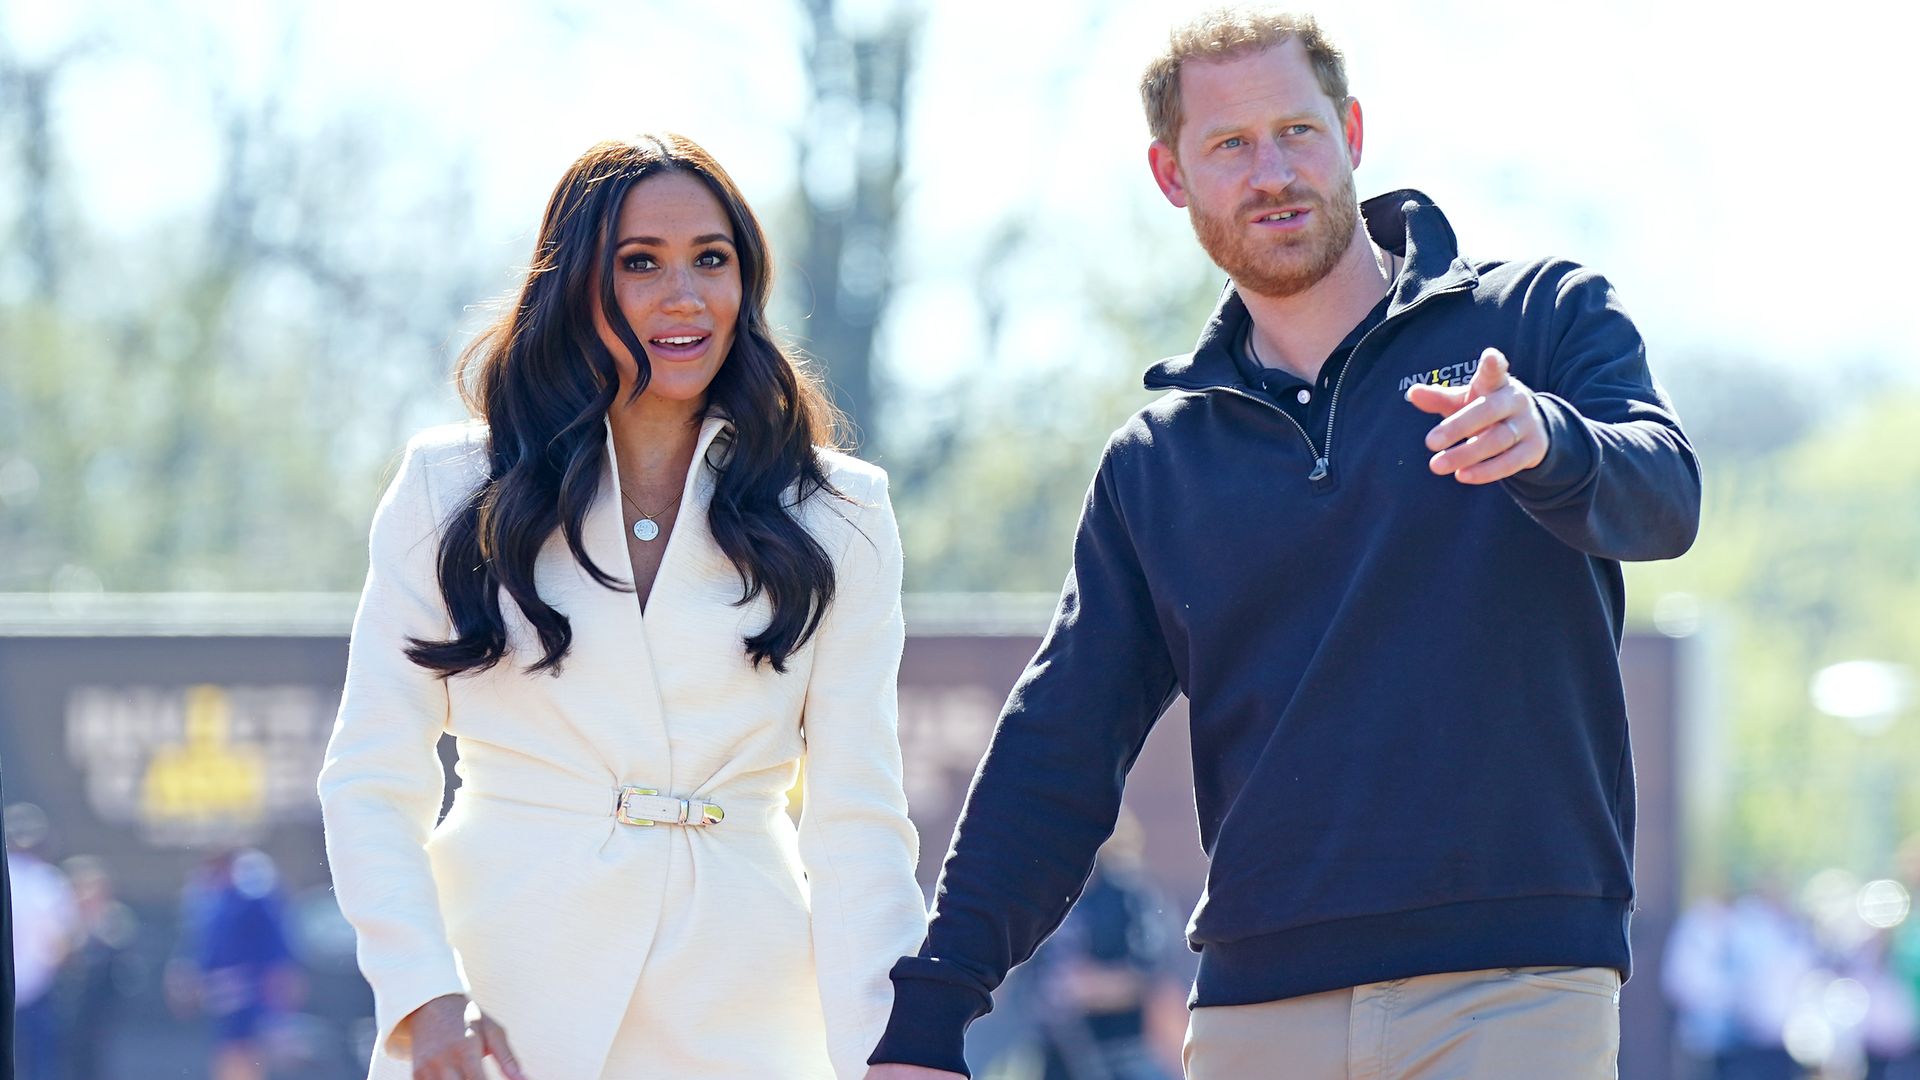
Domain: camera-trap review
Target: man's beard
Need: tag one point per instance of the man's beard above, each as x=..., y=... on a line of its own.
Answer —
x=1280, y=268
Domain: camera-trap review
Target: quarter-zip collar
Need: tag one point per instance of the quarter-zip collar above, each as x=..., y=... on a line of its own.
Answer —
x=1405, y=222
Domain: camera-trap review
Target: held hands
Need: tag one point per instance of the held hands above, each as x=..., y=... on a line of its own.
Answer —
x=451, y=1036
x=1491, y=430
x=909, y=1072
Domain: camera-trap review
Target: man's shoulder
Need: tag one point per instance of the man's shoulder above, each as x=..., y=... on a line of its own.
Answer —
x=1156, y=422
x=1553, y=275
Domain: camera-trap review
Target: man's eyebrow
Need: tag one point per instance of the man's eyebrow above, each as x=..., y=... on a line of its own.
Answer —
x=703, y=238
x=1218, y=130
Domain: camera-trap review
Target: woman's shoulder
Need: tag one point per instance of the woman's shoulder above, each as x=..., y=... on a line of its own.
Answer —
x=862, y=481
x=448, y=444
x=451, y=456
x=856, y=505
x=445, y=462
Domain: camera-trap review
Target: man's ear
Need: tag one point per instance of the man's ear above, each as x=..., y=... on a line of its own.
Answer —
x=1351, y=126
x=1166, y=173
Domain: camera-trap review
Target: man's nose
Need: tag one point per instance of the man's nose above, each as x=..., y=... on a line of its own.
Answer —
x=1272, y=168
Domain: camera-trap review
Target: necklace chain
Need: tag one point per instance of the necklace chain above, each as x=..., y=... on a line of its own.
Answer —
x=671, y=503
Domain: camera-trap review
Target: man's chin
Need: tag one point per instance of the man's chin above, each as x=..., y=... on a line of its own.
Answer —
x=1269, y=288
x=1275, y=282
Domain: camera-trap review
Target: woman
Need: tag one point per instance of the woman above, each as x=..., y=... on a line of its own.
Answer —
x=644, y=599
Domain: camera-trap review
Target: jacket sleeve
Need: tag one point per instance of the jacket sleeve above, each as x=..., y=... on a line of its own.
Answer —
x=856, y=843
x=381, y=784
x=1046, y=794
x=1620, y=480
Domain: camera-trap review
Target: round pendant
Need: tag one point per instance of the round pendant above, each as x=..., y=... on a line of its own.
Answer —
x=645, y=529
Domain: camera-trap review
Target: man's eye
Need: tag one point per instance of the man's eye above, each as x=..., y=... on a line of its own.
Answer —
x=1298, y=129
x=1232, y=142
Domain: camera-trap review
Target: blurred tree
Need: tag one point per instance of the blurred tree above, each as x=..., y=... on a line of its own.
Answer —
x=29, y=83
x=991, y=490
x=852, y=150
x=206, y=402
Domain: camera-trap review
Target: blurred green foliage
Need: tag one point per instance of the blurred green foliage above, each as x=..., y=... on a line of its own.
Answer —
x=1809, y=555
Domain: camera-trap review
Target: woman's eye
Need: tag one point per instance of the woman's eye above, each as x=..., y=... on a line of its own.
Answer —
x=637, y=263
x=711, y=259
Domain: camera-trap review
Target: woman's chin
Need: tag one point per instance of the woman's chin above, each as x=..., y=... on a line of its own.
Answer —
x=677, y=387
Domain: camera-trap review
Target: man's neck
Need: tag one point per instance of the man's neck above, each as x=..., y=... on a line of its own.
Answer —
x=1296, y=333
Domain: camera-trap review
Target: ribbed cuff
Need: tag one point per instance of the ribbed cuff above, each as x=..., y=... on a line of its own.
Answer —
x=1573, y=456
x=929, y=1022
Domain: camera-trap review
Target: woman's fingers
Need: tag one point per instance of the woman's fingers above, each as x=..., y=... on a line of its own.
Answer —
x=452, y=1039
x=452, y=1061
x=494, y=1044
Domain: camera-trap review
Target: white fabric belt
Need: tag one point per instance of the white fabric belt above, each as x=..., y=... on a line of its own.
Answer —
x=646, y=806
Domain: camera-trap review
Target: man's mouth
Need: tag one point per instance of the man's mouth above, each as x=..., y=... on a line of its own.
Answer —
x=1279, y=215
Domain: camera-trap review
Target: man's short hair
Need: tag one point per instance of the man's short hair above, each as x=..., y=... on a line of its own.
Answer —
x=1228, y=33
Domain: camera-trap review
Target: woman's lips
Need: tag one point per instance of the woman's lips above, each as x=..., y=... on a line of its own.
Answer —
x=678, y=346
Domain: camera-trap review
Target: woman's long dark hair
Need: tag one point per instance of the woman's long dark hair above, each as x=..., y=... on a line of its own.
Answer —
x=542, y=380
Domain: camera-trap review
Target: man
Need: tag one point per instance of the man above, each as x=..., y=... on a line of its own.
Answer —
x=1373, y=532
x=237, y=966
x=46, y=925
x=1097, y=973
x=6, y=958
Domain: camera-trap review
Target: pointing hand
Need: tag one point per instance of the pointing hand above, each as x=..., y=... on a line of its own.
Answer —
x=1491, y=429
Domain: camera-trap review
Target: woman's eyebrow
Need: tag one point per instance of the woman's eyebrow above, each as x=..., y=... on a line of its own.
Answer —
x=703, y=238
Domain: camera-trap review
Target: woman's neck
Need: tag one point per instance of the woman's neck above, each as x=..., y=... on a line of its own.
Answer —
x=654, y=438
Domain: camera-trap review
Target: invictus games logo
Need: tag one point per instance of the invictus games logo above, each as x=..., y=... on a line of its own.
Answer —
x=199, y=764
x=1452, y=375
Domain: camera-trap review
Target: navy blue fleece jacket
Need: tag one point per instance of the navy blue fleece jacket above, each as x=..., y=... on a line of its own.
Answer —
x=1409, y=732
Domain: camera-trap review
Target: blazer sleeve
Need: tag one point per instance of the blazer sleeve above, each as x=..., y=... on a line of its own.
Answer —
x=381, y=784
x=856, y=843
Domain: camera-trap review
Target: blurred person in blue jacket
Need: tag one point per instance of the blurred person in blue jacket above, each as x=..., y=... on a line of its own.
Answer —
x=1697, y=978
x=1733, y=971
x=236, y=964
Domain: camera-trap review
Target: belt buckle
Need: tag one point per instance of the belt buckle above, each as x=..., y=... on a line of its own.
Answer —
x=620, y=808
x=688, y=811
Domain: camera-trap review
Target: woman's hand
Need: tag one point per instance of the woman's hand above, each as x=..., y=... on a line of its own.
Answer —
x=451, y=1036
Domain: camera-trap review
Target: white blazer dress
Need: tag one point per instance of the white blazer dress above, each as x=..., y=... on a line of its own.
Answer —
x=745, y=948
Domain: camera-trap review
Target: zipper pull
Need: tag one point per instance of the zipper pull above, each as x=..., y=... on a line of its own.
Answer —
x=1319, y=469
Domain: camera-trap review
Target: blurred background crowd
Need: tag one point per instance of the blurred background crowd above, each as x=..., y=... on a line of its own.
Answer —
x=1764, y=982
x=243, y=243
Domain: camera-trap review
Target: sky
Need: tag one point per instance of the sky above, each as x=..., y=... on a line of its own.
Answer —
x=1728, y=166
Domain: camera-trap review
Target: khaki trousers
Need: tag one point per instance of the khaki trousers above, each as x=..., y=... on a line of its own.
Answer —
x=1504, y=1024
